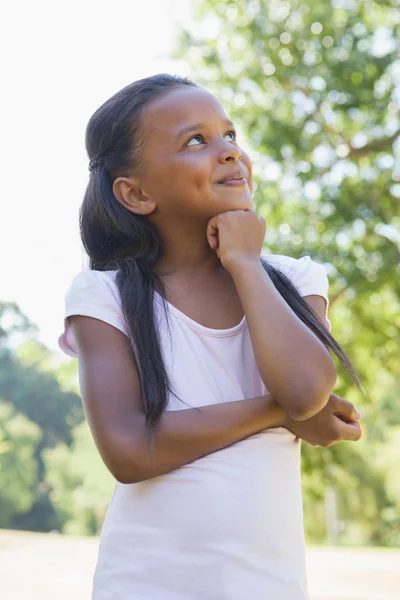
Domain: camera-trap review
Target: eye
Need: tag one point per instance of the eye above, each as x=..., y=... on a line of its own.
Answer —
x=198, y=136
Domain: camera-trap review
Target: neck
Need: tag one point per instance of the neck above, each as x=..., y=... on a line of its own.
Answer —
x=188, y=254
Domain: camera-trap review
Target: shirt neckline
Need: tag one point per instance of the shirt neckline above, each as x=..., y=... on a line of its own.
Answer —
x=194, y=324
x=197, y=326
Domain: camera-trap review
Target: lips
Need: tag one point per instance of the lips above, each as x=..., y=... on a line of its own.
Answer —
x=234, y=175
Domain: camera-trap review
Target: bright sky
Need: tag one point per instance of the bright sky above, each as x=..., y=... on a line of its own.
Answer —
x=63, y=61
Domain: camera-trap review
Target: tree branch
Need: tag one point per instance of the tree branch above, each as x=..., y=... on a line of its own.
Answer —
x=374, y=146
x=332, y=299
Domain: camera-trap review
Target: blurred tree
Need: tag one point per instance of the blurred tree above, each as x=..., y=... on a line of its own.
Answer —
x=312, y=87
x=19, y=439
x=81, y=485
x=37, y=393
x=13, y=323
x=314, y=91
x=30, y=385
x=32, y=353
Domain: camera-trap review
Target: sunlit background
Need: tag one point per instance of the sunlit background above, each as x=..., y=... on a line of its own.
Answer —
x=64, y=60
x=314, y=90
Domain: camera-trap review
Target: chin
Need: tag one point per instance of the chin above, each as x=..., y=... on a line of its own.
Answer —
x=244, y=204
x=233, y=202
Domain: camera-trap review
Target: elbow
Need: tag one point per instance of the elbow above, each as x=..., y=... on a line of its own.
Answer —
x=307, y=409
x=310, y=404
x=127, y=474
x=123, y=451
x=129, y=470
x=302, y=413
x=122, y=471
x=126, y=478
x=125, y=466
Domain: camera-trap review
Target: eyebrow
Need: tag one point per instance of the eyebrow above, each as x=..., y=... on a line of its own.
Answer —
x=196, y=126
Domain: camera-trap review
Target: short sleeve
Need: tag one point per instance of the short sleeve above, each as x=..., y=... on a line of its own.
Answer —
x=92, y=294
x=309, y=277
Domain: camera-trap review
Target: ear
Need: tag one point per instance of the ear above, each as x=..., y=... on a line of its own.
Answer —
x=128, y=192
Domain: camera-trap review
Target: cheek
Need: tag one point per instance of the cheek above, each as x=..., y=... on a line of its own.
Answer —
x=192, y=172
x=247, y=161
x=180, y=183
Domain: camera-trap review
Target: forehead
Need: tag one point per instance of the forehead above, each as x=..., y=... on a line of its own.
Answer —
x=180, y=107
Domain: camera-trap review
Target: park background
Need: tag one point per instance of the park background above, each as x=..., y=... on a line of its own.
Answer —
x=314, y=90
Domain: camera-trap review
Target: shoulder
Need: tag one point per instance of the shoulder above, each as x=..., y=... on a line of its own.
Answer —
x=309, y=276
x=93, y=294
x=286, y=264
x=89, y=281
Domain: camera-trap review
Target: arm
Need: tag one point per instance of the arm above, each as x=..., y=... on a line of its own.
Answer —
x=294, y=365
x=111, y=397
x=318, y=304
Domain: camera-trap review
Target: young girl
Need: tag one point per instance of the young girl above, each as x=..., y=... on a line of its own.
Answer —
x=201, y=363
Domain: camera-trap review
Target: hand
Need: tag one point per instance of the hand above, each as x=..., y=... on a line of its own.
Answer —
x=236, y=235
x=336, y=422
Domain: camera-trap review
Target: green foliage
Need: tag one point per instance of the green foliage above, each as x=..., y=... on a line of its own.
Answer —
x=38, y=395
x=313, y=89
x=14, y=325
x=32, y=353
x=19, y=439
x=38, y=413
x=81, y=484
x=51, y=475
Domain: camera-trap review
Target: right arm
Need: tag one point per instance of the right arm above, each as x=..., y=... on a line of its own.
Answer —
x=111, y=397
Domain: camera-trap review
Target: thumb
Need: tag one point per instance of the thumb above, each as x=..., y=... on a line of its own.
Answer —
x=212, y=232
x=345, y=410
x=350, y=431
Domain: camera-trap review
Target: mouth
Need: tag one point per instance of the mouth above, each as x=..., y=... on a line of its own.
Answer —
x=234, y=182
x=237, y=178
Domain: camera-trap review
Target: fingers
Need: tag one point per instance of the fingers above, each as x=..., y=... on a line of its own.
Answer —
x=344, y=409
x=212, y=233
x=349, y=431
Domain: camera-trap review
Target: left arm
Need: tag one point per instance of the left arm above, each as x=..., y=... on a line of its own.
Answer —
x=293, y=363
x=318, y=304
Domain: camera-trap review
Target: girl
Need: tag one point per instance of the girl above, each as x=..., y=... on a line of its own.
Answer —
x=180, y=326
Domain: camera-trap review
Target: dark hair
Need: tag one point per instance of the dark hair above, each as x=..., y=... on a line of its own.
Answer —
x=117, y=239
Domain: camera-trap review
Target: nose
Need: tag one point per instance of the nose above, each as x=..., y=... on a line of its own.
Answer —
x=229, y=153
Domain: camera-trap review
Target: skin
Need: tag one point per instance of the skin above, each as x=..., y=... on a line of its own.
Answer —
x=207, y=228
x=185, y=195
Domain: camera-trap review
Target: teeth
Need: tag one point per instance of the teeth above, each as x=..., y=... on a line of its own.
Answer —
x=232, y=179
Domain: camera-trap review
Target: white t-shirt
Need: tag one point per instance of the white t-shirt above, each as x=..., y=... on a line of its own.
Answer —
x=227, y=526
